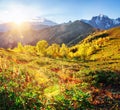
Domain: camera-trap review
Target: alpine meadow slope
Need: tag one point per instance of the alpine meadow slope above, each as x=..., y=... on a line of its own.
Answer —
x=84, y=76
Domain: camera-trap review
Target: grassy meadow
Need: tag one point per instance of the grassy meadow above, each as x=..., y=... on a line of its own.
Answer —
x=85, y=76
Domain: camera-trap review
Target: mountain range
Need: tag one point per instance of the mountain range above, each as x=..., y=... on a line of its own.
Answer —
x=103, y=22
x=42, y=29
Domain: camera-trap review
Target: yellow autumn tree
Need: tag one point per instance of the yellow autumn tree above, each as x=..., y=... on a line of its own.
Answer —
x=63, y=50
x=19, y=48
x=30, y=49
x=41, y=47
x=53, y=50
x=81, y=53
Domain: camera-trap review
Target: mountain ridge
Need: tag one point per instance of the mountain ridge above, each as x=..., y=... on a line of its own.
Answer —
x=69, y=33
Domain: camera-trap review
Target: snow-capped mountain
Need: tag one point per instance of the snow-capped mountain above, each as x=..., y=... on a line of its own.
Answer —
x=103, y=22
x=43, y=21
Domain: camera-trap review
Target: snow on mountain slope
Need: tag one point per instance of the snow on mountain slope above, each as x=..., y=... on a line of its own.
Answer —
x=43, y=21
x=103, y=22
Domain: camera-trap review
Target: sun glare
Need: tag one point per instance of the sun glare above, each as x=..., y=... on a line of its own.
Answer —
x=16, y=16
x=17, y=21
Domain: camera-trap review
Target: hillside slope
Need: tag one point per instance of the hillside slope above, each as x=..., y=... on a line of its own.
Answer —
x=54, y=77
x=110, y=41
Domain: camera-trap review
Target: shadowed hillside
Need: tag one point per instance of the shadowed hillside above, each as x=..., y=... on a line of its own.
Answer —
x=68, y=33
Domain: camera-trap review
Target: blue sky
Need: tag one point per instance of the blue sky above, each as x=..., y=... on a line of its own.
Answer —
x=58, y=10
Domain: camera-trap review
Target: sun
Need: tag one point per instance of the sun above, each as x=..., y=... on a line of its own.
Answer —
x=16, y=16
x=18, y=21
